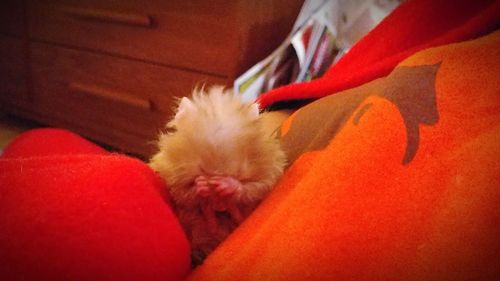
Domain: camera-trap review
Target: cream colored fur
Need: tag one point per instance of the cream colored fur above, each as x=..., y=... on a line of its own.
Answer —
x=215, y=133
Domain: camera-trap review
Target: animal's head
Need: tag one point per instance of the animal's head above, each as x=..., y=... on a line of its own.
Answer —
x=213, y=132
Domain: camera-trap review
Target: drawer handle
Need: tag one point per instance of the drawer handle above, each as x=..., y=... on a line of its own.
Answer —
x=110, y=16
x=146, y=105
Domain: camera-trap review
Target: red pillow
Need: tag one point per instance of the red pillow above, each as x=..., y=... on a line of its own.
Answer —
x=76, y=212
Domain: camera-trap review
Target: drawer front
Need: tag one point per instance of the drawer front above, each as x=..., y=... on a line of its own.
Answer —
x=197, y=35
x=13, y=71
x=112, y=100
x=12, y=17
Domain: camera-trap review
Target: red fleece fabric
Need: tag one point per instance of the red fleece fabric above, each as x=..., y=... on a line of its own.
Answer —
x=48, y=141
x=71, y=211
x=415, y=25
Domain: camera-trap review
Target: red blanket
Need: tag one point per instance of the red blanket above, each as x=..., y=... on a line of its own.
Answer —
x=413, y=26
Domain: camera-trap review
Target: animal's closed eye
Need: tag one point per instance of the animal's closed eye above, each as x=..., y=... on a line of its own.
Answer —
x=170, y=129
x=245, y=180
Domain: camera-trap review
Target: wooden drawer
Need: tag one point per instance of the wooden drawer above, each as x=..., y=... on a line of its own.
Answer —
x=195, y=34
x=12, y=17
x=13, y=71
x=117, y=101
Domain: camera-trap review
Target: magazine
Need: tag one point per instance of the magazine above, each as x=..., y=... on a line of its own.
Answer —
x=323, y=32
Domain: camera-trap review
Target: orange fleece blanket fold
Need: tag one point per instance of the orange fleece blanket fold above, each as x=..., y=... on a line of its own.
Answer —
x=397, y=179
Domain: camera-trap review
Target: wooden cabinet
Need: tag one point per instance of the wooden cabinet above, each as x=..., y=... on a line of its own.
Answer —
x=13, y=71
x=111, y=70
x=12, y=18
x=117, y=101
x=189, y=34
x=13, y=54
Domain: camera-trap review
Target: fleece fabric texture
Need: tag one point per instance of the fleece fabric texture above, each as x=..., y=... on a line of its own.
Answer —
x=415, y=25
x=49, y=142
x=69, y=210
x=402, y=185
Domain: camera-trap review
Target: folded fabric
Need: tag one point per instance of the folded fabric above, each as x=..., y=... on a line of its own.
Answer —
x=415, y=25
x=69, y=210
x=397, y=179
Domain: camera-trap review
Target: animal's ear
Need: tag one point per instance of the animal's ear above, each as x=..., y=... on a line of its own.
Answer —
x=185, y=106
x=254, y=110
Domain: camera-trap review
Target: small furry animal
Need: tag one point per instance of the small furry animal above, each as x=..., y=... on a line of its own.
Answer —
x=219, y=158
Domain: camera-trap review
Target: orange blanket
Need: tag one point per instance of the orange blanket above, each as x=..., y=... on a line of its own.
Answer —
x=398, y=179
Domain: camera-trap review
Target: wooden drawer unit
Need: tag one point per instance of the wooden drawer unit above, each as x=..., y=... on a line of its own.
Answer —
x=12, y=17
x=110, y=70
x=13, y=72
x=187, y=34
x=116, y=100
